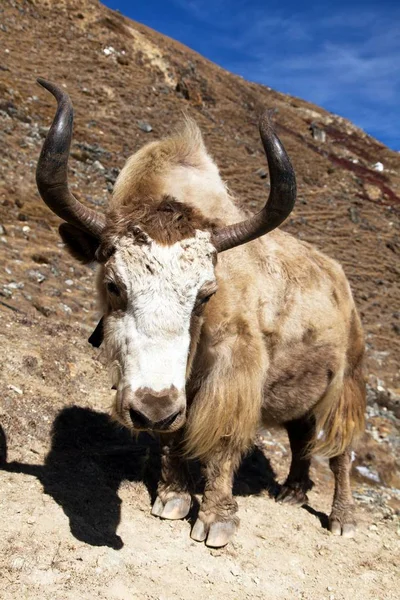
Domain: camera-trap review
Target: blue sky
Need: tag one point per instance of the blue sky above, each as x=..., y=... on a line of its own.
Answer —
x=343, y=56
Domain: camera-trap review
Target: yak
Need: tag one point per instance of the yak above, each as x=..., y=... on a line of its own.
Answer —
x=215, y=324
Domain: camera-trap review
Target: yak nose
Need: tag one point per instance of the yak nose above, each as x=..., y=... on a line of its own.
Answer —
x=141, y=420
x=154, y=410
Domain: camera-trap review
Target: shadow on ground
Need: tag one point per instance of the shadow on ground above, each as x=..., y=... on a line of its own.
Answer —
x=3, y=446
x=89, y=458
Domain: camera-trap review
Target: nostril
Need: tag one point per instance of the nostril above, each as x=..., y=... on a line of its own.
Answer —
x=165, y=423
x=138, y=418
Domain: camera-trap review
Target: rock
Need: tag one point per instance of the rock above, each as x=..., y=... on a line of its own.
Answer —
x=41, y=259
x=111, y=175
x=318, y=133
x=15, y=286
x=109, y=50
x=372, y=191
x=122, y=60
x=2, y=230
x=262, y=173
x=6, y=293
x=182, y=89
x=36, y=276
x=66, y=308
x=15, y=389
x=97, y=165
x=378, y=166
x=354, y=216
x=144, y=126
x=368, y=473
x=85, y=152
x=44, y=310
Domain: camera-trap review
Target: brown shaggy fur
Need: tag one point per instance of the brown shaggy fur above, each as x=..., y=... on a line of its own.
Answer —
x=166, y=221
x=343, y=421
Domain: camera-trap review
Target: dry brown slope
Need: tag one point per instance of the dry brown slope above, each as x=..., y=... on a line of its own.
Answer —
x=345, y=206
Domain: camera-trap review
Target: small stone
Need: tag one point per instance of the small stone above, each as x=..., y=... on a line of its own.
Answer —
x=36, y=276
x=373, y=527
x=373, y=192
x=15, y=389
x=69, y=282
x=318, y=133
x=144, y=126
x=2, y=230
x=97, y=165
x=109, y=50
x=66, y=309
x=26, y=229
x=378, y=166
x=6, y=293
x=17, y=563
x=354, y=216
x=122, y=60
x=15, y=286
x=262, y=173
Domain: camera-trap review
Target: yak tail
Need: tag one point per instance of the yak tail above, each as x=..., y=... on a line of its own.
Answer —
x=340, y=415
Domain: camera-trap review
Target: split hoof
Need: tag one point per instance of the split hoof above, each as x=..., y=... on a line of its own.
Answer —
x=216, y=534
x=176, y=507
x=346, y=530
x=342, y=522
x=292, y=494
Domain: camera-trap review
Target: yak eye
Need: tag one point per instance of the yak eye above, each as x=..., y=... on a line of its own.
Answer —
x=205, y=299
x=113, y=288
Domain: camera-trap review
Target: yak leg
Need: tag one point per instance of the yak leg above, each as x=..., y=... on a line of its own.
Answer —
x=217, y=520
x=341, y=519
x=173, y=497
x=298, y=482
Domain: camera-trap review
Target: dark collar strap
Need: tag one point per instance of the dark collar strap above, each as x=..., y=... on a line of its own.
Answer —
x=96, y=338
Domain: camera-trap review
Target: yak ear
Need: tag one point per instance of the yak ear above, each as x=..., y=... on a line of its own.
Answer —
x=81, y=245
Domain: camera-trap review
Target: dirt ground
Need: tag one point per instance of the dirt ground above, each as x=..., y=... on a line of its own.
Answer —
x=76, y=490
x=76, y=495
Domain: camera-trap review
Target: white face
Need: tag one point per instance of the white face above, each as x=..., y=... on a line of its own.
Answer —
x=152, y=293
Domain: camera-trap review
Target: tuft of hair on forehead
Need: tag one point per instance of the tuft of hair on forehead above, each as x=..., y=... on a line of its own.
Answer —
x=145, y=170
x=165, y=221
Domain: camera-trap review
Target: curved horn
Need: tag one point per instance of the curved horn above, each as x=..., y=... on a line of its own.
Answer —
x=280, y=201
x=51, y=170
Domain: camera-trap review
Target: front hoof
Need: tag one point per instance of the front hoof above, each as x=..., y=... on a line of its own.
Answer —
x=346, y=530
x=216, y=534
x=341, y=522
x=175, y=507
x=292, y=494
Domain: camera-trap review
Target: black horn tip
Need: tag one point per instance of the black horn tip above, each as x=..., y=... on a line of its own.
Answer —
x=41, y=81
x=57, y=92
x=47, y=85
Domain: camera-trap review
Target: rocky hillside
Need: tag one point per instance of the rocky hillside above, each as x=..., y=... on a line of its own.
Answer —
x=129, y=85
